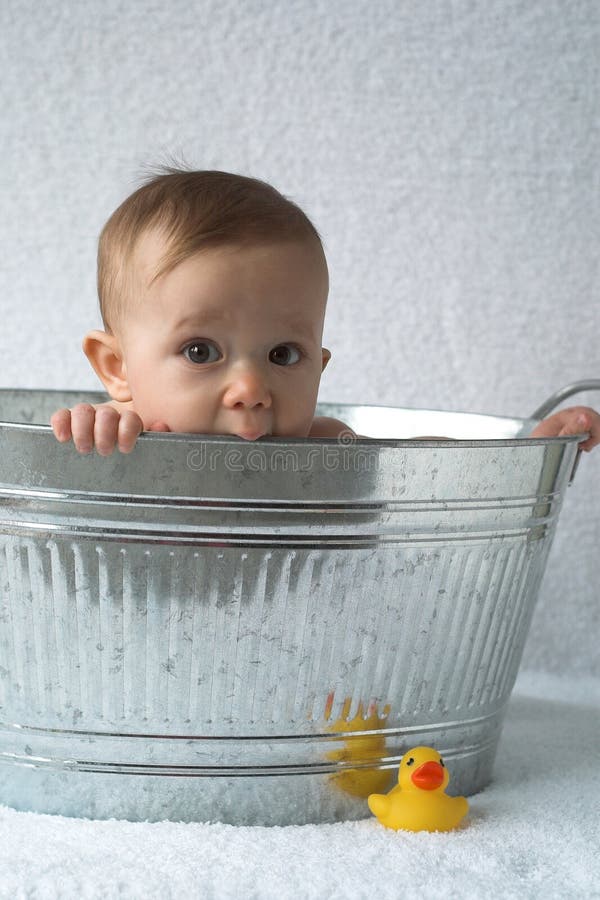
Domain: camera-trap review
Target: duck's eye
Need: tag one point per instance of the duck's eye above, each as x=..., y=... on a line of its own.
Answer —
x=202, y=352
x=284, y=355
x=410, y=762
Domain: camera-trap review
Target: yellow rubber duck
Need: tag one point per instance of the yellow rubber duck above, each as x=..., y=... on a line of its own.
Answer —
x=418, y=802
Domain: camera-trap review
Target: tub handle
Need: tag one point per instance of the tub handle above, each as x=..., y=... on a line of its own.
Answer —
x=591, y=384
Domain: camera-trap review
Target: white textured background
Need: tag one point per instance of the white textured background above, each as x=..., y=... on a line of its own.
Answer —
x=447, y=151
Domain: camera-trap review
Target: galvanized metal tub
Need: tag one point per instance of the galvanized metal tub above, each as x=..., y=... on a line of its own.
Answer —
x=211, y=629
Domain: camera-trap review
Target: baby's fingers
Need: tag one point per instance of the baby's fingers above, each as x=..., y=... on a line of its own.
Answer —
x=82, y=427
x=130, y=428
x=575, y=424
x=61, y=424
x=589, y=421
x=580, y=421
x=105, y=429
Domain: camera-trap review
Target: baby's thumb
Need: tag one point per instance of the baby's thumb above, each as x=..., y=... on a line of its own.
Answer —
x=159, y=426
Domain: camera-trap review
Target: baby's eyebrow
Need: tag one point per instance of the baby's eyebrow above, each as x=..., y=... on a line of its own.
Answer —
x=216, y=315
x=209, y=315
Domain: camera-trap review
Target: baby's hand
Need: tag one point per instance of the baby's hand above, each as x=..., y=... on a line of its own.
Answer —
x=574, y=420
x=101, y=426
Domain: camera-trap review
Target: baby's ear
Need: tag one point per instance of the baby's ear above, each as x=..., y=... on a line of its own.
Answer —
x=104, y=353
x=326, y=356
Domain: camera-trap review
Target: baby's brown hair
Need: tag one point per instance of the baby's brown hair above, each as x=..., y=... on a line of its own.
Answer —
x=194, y=210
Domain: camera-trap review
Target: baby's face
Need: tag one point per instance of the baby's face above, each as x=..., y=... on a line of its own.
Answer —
x=229, y=341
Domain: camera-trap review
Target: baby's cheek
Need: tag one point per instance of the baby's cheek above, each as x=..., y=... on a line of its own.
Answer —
x=298, y=427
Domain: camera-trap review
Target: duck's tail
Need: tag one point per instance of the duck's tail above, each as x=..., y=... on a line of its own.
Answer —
x=461, y=805
x=378, y=804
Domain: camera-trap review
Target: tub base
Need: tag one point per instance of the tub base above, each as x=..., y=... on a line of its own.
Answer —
x=64, y=786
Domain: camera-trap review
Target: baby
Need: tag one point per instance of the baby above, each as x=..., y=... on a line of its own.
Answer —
x=212, y=292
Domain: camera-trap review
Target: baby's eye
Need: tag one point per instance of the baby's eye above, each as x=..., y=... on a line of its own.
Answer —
x=202, y=352
x=284, y=355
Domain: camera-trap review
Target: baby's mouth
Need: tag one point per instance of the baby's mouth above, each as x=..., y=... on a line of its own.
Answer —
x=250, y=434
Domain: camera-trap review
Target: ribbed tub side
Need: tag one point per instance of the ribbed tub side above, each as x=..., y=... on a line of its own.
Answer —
x=282, y=640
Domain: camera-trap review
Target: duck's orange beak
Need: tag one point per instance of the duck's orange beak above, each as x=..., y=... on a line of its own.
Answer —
x=428, y=777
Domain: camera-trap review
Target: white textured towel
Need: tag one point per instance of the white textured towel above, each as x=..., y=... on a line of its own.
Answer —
x=532, y=833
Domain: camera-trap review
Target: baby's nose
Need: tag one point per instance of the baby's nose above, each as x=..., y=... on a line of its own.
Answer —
x=247, y=388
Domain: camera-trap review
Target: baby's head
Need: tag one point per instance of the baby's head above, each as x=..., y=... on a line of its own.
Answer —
x=212, y=291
